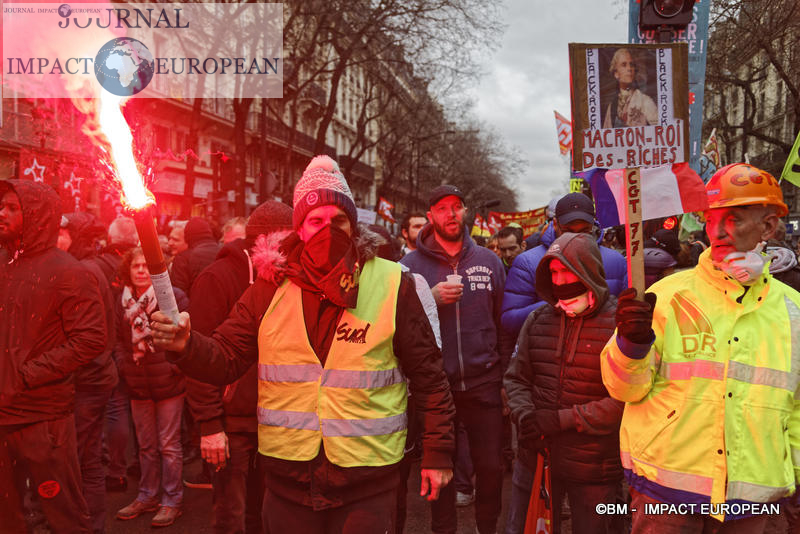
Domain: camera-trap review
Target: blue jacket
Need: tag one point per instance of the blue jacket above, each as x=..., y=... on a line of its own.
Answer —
x=520, y=296
x=471, y=327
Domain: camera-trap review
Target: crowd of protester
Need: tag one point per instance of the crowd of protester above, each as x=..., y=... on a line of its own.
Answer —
x=470, y=337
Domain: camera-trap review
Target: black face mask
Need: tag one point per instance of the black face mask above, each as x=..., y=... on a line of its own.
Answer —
x=569, y=291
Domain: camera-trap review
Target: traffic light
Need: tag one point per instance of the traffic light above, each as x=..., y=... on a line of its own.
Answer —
x=654, y=14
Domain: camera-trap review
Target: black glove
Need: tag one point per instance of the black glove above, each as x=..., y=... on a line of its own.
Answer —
x=548, y=422
x=634, y=317
x=527, y=429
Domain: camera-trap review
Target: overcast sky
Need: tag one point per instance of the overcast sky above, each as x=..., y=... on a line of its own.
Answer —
x=528, y=77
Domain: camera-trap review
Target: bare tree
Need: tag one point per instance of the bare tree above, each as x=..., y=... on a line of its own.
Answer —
x=753, y=86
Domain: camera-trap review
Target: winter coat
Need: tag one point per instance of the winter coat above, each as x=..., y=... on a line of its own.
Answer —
x=710, y=413
x=53, y=320
x=470, y=328
x=216, y=290
x=202, y=251
x=109, y=261
x=100, y=374
x=154, y=377
x=233, y=348
x=557, y=367
x=521, y=297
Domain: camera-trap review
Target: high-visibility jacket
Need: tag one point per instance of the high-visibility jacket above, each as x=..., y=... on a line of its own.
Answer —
x=356, y=403
x=711, y=415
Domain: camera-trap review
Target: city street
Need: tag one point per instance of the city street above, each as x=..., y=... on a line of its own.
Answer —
x=196, y=517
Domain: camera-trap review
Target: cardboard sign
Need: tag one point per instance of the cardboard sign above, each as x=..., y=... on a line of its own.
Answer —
x=629, y=105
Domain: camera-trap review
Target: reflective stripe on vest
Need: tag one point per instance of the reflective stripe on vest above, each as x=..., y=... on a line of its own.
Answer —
x=288, y=419
x=625, y=376
x=308, y=372
x=670, y=479
x=338, y=378
x=692, y=369
x=756, y=492
x=794, y=319
x=762, y=376
x=356, y=404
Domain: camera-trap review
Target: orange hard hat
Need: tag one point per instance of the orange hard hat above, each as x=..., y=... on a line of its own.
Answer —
x=741, y=184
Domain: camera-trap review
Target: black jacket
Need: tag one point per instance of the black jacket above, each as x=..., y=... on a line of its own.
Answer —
x=557, y=367
x=100, y=374
x=52, y=315
x=153, y=378
x=202, y=251
x=233, y=349
x=231, y=408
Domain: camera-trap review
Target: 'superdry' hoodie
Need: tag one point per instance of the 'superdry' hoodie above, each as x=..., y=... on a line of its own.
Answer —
x=470, y=327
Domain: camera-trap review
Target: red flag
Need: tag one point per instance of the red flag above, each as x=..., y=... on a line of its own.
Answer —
x=479, y=227
x=528, y=220
x=385, y=210
x=564, y=131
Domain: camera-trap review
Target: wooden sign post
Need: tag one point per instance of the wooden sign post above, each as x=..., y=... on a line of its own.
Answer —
x=633, y=231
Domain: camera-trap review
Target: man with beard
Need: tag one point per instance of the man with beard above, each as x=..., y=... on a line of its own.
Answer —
x=337, y=334
x=52, y=321
x=469, y=315
x=409, y=229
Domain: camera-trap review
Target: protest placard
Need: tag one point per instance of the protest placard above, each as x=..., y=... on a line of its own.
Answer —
x=629, y=105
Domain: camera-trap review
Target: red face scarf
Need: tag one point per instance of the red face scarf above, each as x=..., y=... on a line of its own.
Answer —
x=327, y=264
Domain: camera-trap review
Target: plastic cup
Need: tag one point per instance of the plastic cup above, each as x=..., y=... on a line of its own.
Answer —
x=453, y=278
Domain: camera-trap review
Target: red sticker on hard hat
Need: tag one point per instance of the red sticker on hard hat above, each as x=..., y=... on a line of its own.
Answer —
x=49, y=489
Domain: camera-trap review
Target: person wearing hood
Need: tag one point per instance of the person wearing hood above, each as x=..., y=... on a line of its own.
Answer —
x=469, y=314
x=556, y=393
x=227, y=416
x=574, y=213
x=338, y=335
x=81, y=233
x=203, y=249
x=53, y=322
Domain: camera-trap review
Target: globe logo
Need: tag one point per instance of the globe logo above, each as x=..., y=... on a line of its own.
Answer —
x=64, y=10
x=124, y=66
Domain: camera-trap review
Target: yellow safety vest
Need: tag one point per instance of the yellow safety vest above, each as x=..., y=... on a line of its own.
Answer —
x=712, y=409
x=356, y=404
